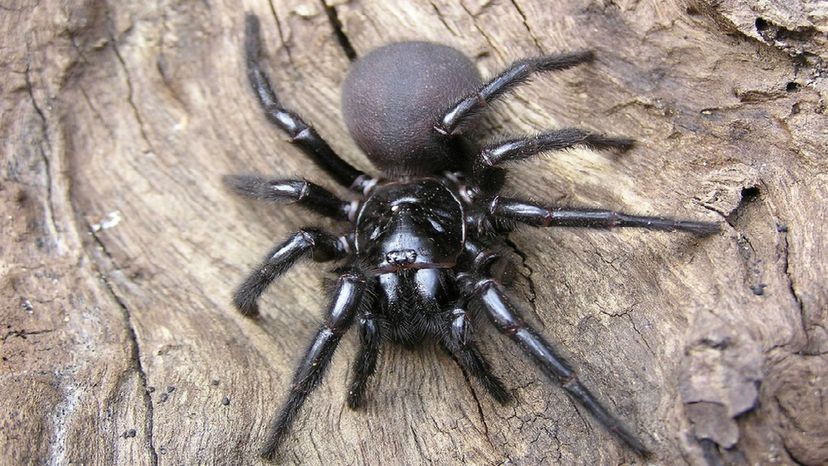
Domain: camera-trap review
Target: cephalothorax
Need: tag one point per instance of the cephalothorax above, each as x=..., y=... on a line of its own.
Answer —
x=418, y=259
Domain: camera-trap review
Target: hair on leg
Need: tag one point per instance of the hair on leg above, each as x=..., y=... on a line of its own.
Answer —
x=302, y=192
x=322, y=247
x=518, y=73
x=493, y=302
x=525, y=147
x=539, y=216
x=366, y=361
x=347, y=299
x=460, y=343
x=301, y=134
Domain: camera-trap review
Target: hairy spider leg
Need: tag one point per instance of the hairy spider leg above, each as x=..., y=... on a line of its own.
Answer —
x=525, y=147
x=301, y=134
x=488, y=175
x=487, y=294
x=535, y=215
x=518, y=73
x=366, y=361
x=322, y=247
x=459, y=342
x=349, y=297
x=311, y=196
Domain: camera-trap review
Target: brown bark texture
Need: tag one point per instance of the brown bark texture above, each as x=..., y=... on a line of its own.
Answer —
x=120, y=247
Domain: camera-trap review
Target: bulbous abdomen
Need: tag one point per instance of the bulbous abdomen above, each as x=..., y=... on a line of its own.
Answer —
x=393, y=97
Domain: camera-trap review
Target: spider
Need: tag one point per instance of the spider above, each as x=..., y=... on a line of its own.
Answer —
x=422, y=246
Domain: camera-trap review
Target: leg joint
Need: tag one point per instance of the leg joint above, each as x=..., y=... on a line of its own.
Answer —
x=346, y=301
x=307, y=236
x=304, y=134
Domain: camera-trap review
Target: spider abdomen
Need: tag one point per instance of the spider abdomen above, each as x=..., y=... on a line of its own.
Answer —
x=393, y=97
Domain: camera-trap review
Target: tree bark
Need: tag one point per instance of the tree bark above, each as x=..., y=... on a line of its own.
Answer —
x=121, y=248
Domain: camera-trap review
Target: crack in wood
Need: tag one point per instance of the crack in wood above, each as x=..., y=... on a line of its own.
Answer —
x=473, y=392
x=130, y=94
x=339, y=31
x=529, y=276
x=23, y=333
x=279, y=30
x=792, y=287
x=135, y=347
x=442, y=19
x=526, y=25
x=419, y=445
x=485, y=36
x=45, y=154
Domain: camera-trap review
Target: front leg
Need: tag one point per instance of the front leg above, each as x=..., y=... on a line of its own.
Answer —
x=459, y=342
x=366, y=362
x=348, y=297
x=322, y=246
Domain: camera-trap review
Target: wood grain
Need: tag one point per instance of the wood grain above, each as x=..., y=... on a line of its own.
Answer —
x=120, y=249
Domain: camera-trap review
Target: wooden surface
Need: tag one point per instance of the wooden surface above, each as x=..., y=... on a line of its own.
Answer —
x=120, y=248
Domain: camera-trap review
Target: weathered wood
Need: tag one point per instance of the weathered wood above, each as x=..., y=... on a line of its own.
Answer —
x=120, y=248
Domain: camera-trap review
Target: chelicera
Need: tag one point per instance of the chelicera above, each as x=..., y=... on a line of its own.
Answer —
x=420, y=252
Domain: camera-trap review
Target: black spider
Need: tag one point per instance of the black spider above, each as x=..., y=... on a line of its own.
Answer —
x=421, y=247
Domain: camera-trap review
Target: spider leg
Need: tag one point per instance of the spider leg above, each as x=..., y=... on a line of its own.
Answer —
x=366, y=362
x=301, y=134
x=522, y=148
x=518, y=73
x=535, y=215
x=343, y=306
x=304, y=193
x=322, y=246
x=460, y=343
x=488, y=295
